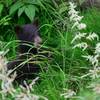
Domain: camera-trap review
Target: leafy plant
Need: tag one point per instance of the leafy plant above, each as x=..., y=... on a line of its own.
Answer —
x=4, y=20
x=29, y=7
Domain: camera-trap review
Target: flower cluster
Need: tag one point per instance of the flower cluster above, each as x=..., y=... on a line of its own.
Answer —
x=95, y=73
x=95, y=87
x=92, y=59
x=6, y=81
x=68, y=93
x=97, y=49
x=74, y=17
x=76, y=20
x=26, y=92
x=81, y=40
x=7, y=87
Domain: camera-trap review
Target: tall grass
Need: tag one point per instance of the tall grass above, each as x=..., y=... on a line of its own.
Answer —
x=64, y=71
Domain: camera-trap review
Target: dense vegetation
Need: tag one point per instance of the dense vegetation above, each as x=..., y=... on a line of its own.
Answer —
x=69, y=75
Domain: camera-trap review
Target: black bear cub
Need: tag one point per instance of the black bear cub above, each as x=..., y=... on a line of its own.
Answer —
x=24, y=64
x=28, y=33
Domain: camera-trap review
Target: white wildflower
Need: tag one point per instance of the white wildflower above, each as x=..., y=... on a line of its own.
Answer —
x=82, y=45
x=26, y=94
x=3, y=63
x=97, y=49
x=95, y=72
x=95, y=87
x=78, y=36
x=8, y=88
x=92, y=59
x=68, y=94
x=72, y=5
x=6, y=84
x=29, y=87
x=74, y=17
x=77, y=18
x=81, y=26
x=6, y=81
x=75, y=24
x=92, y=36
x=78, y=25
x=33, y=82
x=73, y=12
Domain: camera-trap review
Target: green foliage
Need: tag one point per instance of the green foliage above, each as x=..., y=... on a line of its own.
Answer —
x=29, y=7
x=16, y=6
x=4, y=20
x=30, y=11
x=66, y=66
x=92, y=20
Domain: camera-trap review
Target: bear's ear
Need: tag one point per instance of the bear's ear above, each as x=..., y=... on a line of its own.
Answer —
x=35, y=22
x=18, y=29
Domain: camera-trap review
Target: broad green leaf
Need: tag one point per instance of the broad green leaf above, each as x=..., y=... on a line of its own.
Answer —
x=30, y=11
x=16, y=6
x=1, y=8
x=21, y=10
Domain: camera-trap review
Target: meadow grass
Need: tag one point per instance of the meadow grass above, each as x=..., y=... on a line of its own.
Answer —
x=67, y=66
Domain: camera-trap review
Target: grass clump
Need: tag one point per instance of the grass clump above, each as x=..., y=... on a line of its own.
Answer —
x=73, y=72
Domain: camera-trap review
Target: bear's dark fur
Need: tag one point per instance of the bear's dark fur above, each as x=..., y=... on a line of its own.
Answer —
x=24, y=64
x=28, y=34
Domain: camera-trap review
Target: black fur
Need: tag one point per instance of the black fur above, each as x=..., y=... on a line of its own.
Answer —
x=26, y=69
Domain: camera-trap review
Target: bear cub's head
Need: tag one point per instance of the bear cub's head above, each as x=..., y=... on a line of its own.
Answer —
x=28, y=33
